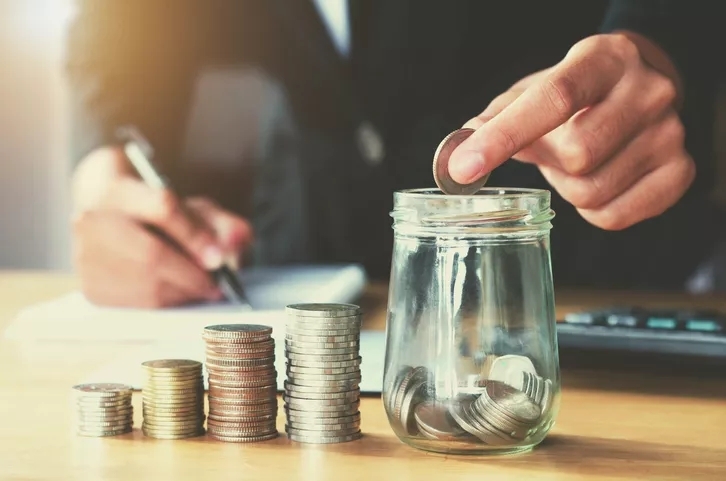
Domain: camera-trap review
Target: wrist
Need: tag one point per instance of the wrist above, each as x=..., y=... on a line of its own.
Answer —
x=657, y=59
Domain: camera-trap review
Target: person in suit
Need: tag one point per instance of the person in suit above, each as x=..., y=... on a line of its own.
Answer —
x=326, y=108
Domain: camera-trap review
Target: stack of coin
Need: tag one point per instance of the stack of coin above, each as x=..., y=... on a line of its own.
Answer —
x=538, y=389
x=103, y=409
x=501, y=415
x=519, y=372
x=409, y=388
x=173, y=399
x=322, y=390
x=242, y=383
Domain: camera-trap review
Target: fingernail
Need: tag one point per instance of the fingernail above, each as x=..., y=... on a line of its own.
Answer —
x=466, y=167
x=212, y=257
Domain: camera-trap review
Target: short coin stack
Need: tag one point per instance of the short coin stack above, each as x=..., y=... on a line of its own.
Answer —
x=242, y=382
x=501, y=415
x=173, y=399
x=103, y=409
x=322, y=390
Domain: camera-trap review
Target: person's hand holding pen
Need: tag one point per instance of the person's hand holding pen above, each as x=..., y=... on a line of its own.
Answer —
x=123, y=263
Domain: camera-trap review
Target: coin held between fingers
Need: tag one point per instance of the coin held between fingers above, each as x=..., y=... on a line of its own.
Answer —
x=442, y=175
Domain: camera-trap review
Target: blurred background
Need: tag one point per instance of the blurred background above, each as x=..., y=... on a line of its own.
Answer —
x=34, y=151
x=34, y=205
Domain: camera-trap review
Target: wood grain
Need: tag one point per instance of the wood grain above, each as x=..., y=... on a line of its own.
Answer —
x=617, y=421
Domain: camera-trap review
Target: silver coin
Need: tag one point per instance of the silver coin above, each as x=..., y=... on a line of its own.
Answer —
x=327, y=428
x=500, y=422
x=512, y=402
x=485, y=426
x=314, y=370
x=433, y=419
x=324, y=433
x=294, y=333
x=338, y=328
x=340, y=410
x=305, y=405
x=412, y=378
x=102, y=390
x=313, y=364
x=102, y=416
x=106, y=405
x=320, y=388
x=546, y=397
x=322, y=358
x=236, y=401
x=343, y=385
x=257, y=330
x=441, y=165
x=321, y=318
x=315, y=403
x=324, y=439
x=317, y=416
x=389, y=394
x=459, y=411
x=323, y=310
x=348, y=376
x=509, y=368
x=413, y=396
x=307, y=338
x=102, y=433
x=293, y=349
x=353, y=393
x=298, y=345
x=356, y=417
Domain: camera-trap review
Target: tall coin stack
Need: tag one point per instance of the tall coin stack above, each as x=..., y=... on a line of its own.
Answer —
x=242, y=382
x=173, y=399
x=322, y=390
x=103, y=409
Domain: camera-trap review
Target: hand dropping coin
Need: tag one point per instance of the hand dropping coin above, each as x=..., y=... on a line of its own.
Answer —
x=441, y=165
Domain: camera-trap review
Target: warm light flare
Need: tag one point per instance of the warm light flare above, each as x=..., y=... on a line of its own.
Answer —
x=32, y=20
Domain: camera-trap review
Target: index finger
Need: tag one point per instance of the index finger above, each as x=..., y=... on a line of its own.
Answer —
x=577, y=82
x=163, y=210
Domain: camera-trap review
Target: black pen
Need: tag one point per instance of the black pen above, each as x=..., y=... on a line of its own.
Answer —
x=139, y=151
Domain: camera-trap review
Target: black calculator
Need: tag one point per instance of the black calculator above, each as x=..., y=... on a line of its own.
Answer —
x=698, y=333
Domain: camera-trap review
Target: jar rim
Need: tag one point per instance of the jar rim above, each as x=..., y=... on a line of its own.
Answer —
x=490, y=210
x=498, y=192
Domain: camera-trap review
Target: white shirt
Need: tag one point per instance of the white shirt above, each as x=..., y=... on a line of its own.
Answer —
x=335, y=16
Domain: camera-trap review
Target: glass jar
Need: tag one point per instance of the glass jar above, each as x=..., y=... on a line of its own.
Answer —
x=471, y=361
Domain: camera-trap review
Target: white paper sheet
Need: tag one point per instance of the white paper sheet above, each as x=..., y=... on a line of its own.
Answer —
x=176, y=332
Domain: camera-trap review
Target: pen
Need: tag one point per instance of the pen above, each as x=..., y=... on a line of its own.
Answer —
x=138, y=150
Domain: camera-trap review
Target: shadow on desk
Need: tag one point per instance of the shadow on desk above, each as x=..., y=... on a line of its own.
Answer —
x=643, y=373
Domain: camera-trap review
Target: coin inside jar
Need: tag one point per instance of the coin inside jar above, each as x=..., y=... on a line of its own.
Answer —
x=441, y=165
x=434, y=421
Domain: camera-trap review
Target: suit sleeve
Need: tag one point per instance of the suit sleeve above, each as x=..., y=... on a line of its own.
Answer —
x=127, y=62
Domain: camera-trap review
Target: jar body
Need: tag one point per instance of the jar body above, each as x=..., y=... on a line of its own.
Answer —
x=471, y=352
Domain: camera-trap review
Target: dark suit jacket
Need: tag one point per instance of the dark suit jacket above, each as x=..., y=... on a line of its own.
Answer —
x=417, y=70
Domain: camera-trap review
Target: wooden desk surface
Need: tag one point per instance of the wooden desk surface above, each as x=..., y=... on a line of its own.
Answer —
x=614, y=423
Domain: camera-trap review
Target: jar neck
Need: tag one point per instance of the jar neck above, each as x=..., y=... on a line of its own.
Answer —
x=490, y=212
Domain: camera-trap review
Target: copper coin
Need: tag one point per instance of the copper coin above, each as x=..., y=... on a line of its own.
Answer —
x=441, y=166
